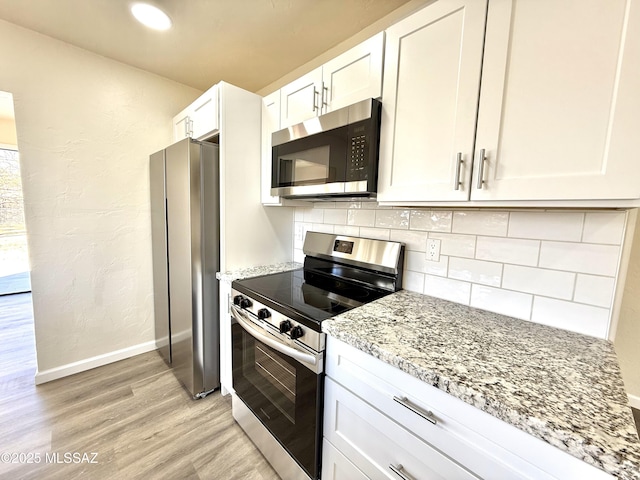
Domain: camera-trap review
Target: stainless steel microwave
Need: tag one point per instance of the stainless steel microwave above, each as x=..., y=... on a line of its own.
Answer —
x=330, y=156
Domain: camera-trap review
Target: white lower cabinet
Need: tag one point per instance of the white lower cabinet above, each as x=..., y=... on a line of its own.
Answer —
x=335, y=466
x=379, y=446
x=382, y=423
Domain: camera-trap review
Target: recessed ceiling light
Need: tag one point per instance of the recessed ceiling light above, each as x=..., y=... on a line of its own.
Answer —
x=151, y=16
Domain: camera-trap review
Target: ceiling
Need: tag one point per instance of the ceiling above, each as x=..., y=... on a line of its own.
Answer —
x=249, y=43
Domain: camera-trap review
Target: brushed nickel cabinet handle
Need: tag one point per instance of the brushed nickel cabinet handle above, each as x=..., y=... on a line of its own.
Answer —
x=186, y=127
x=481, y=160
x=315, y=96
x=459, y=162
x=426, y=414
x=400, y=471
x=325, y=95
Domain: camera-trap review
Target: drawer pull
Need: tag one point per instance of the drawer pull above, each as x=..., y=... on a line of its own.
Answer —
x=399, y=471
x=427, y=415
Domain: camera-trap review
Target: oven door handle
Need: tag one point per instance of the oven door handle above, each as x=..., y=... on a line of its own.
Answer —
x=247, y=325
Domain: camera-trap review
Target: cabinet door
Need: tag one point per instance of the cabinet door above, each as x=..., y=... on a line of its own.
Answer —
x=336, y=466
x=270, y=124
x=182, y=125
x=377, y=445
x=205, y=114
x=559, y=106
x=300, y=100
x=353, y=76
x=432, y=76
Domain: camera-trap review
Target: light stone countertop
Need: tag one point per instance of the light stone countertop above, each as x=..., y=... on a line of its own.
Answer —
x=562, y=387
x=256, y=271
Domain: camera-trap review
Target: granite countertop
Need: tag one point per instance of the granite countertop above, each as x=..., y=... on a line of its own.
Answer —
x=256, y=271
x=562, y=387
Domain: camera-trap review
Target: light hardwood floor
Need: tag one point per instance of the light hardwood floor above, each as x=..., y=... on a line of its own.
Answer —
x=133, y=414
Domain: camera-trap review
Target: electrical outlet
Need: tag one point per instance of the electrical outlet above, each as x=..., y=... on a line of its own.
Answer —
x=433, y=250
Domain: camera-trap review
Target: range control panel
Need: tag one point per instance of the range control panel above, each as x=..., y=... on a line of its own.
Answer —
x=277, y=324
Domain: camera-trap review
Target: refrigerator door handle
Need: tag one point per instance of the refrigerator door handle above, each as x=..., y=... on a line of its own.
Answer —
x=267, y=339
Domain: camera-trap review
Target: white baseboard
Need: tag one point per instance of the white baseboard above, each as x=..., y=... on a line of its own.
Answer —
x=93, y=362
x=634, y=401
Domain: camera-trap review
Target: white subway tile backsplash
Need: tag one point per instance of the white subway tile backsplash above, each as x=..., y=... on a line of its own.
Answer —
x=604, y=227
x=298, y=235
x=336, y=216
x=377, y=233
x=551, y=267
x=456, y=245
x=476, y=271
x=579, y=318
x=481, y=223
x=413, y=281
x=361, y=218
x=393, y=218
x=551, y=283
x=593, y=290
x=508, y=250
x=514, y=304
x=324, y=205
x=430, y=220
x=415, y=261
x=313, y=215
x=438, y=268
x=546, y=225
x=346, y=230
x=322, y=227
x=449, y=289
x=580, y=257
x=413, y=240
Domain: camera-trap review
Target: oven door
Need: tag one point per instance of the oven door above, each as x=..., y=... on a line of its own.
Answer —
x=283, y=393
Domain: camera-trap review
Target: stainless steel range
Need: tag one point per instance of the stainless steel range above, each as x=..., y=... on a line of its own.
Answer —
x=278, y=345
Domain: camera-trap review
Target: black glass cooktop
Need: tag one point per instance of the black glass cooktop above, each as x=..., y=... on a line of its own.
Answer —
x=306, y=296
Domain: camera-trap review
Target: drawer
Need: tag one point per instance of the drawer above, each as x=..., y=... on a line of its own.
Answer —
x=484, y=444
x=335, y=466
x=377, y=445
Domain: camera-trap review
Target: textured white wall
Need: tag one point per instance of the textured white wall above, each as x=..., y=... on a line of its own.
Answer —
x=86, y=126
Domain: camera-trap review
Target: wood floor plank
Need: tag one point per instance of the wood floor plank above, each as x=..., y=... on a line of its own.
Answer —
x=134, y=414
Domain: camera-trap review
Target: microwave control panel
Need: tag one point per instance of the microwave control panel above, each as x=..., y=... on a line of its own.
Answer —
x=357, y=166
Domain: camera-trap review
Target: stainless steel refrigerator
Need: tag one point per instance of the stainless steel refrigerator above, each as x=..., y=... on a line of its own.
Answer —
x=185, y=242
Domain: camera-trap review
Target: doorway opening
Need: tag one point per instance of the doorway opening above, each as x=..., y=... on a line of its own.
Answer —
x=14, y=258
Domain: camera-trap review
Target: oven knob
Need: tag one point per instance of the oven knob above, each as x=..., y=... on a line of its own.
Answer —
x=296, y=332
x=285, y=326
x=242, y=301
x=263, y=313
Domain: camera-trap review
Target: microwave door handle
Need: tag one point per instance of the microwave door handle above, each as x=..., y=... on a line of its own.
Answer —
x=268, y=340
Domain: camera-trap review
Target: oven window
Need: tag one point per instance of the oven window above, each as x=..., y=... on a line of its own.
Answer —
x=282, y=393
x=272, y=376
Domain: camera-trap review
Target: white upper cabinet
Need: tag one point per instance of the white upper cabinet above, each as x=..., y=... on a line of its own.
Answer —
x=270, y=124
x=182, y=125
x=560, y=104
x=353, y=76
x=429, y=101
x=200, y=120
x=300, y=100
x=349, y=78
x=554, y=119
